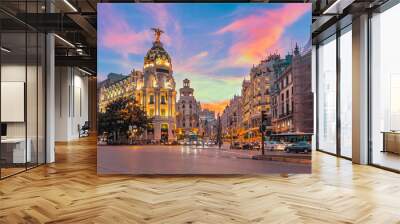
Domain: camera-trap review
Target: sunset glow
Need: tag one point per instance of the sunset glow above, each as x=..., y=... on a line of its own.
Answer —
x=215, y=51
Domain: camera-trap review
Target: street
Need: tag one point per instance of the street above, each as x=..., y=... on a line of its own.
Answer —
x=178, y=159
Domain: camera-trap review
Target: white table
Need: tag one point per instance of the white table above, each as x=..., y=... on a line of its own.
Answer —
x=19, y=155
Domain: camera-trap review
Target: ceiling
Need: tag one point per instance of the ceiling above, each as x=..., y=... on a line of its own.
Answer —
x=332, y=15
x=75, y=22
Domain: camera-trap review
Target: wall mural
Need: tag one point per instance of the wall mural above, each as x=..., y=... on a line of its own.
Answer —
x=204, y=88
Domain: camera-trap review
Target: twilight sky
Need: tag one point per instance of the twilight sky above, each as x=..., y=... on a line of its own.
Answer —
x=213, y=45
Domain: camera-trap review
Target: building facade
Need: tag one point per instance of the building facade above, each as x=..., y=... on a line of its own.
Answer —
x=188, y=111
x=303, y=97
x=116, y=86
x=279, y=87
x=246, y=104
x=153, y=89
x=255, y=100
x=208, y=124
x=282, y=119
x=292, y=97
x=231, y=119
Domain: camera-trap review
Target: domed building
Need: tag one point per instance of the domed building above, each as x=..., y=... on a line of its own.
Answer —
x=153, y=89
x=158, y=95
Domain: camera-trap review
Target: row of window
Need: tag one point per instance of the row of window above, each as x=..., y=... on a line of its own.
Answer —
x=190, y=125
x=162, y=112
x=163, y=100
x=286, y=109
x=286, y=81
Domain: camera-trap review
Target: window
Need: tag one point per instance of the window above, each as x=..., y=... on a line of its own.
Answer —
x=292, y=106
x=22, y=76
x=346, y=93
x=163, y=100
x=151, y=100
x=385, y=88
x=327, y=95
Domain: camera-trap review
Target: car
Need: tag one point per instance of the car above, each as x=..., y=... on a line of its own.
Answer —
x=304, y=147
x=247, y=146
x=256, y=145
x=236, y=145
x=274, y=146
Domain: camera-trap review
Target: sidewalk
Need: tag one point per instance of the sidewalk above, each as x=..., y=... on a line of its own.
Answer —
x=281, y=156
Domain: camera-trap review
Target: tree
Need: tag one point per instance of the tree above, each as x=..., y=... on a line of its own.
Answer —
x=133, y=116
x=119, y=116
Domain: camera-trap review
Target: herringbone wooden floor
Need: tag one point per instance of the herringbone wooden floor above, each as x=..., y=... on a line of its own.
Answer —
x=69, y=191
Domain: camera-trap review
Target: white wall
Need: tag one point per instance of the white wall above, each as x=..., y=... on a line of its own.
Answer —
x=17, y=73
x=12, y=73
x=33, y=126
x=71, y=102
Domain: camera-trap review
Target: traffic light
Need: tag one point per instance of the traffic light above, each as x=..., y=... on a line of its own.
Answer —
x=264, y=121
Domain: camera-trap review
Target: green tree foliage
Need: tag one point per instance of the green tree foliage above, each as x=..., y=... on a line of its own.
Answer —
x=120, y=116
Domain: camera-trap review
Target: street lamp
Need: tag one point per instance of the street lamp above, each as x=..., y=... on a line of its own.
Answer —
x=264, y=124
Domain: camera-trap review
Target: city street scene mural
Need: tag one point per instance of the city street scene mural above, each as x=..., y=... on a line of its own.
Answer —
x=204, y=88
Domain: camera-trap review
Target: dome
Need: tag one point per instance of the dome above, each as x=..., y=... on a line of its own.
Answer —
x=157, y=56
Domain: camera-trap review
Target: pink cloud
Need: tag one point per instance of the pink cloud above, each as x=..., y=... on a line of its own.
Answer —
x=118, y=35
x=123, y=38
x=191, y=64
x=159, y=13
x=162, y=17
x=256, y=35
